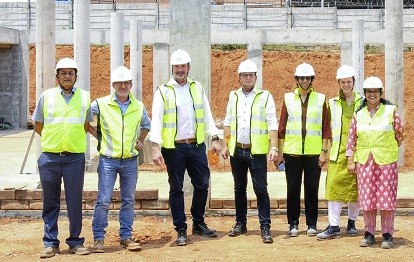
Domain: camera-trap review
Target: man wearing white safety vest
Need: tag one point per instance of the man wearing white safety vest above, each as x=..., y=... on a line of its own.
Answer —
x=123, y=124
x=250, y=129
x=180, y=117
x=304, y=130
x=62, y=118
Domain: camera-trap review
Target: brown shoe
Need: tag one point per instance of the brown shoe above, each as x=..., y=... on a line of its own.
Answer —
x=130, y=244
x=98, y=246
x=49, y=252
x=79, y=250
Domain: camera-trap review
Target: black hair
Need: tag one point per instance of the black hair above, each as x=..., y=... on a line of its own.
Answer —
x=364, y=102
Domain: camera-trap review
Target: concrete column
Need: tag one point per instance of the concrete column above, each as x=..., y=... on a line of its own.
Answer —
x=358, y=53
x=45, y=51
x=254, y=53
x=82, y=10
x=117, y=41
x=346, y=53
x=135, y=36
x=193, y=34
x=161, y=64
x=394, y=59
x=24, y=61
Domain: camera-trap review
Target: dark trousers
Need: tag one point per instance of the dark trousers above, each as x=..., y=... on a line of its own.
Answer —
x=193, y=158
x=242, y=161
x=295, y=166
x=52, y=168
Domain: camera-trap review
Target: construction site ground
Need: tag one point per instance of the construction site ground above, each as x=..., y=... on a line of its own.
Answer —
x=21, y=237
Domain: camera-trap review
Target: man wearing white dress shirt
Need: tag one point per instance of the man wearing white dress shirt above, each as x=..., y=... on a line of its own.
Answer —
x=250, y=129
x=180, y=116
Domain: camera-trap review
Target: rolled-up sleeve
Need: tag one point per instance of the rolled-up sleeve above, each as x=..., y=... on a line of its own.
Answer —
x=157, y=115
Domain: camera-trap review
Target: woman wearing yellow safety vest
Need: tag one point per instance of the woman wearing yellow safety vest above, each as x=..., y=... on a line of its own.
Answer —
x=341, y=186
x=303, y=135
x=375, y=133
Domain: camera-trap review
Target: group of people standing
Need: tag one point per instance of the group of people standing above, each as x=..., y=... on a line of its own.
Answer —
x=358, y=136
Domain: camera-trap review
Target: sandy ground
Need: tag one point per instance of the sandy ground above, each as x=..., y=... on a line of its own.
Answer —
x=20, y=240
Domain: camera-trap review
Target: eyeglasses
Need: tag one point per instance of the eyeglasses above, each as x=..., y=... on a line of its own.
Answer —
x=302, y=78
x=251, y=75
x=122, y=83
x=70, y=74
x=374, y=91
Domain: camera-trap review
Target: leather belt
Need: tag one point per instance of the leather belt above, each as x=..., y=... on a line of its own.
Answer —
x=63, y=153
x=186, y=141
x=241, y=145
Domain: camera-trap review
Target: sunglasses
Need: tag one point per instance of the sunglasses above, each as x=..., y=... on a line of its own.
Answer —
x=302, y=78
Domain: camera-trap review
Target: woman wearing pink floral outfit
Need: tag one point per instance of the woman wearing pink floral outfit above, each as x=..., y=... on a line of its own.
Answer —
x=375, y=134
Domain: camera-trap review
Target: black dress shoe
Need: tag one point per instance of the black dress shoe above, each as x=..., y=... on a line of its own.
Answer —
x=202, y=229
x=239, y=228
x=266, y=235
x=182, y=238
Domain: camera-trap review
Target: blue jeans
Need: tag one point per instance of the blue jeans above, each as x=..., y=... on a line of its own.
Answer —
x=108, y=169
x=193, y=158
x=241, y=162
x=52, y=168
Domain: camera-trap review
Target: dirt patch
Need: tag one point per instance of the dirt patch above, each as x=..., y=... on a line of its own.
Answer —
x=21, y=240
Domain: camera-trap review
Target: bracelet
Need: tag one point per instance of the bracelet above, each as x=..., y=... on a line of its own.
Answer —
x=325, y=150
x=273, y=148
x=215, y=138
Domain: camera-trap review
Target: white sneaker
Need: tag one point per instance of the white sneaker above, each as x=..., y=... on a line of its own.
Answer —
x=311, y=231
x=293, y=231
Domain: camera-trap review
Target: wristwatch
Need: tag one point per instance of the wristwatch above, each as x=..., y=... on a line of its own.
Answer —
x=325, y=150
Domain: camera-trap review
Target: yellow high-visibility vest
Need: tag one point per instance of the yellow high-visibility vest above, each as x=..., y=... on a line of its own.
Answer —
x=169, y=128
x=119, y=133
x=335, y=107
x=63, y=127
x=259, y=136
x=376, y=135
x=312, y=143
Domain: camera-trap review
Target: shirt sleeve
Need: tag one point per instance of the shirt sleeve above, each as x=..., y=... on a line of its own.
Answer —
x=282, y=122
x=38, y=115
x=226, y=121
x=145, y=121
x=157, y=115
x=94, y=108
x=398, y=125
x=210, y=126
x=351, y=145
x=326, y=124
x=271, y=114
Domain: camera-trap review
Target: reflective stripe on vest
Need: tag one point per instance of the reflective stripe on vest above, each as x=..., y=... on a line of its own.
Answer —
x=335, y=107
x=63, y=127
x=259, y=137
x=312, y=144
x=125, y=129
x=169, y=128
x=376, y=135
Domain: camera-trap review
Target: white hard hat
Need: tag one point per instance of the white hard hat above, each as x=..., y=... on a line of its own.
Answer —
x=247, y=66
x=180, y=57
x=304, y=69
x=372, y=82
x=66, y=63
x=121, y=74
x=345, y=71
